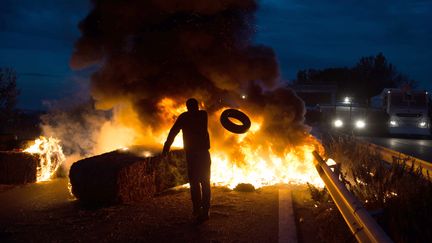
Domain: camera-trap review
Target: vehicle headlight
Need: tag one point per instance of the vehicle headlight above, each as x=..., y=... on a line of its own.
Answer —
x=338, y=123
x=393, y=123
x=422, y=124
x=360, y=124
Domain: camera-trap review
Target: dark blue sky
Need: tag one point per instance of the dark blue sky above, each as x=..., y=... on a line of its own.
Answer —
x=37, y=36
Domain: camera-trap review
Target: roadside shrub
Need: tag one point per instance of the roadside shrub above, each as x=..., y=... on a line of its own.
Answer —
x=331, y=225
x=398, y=196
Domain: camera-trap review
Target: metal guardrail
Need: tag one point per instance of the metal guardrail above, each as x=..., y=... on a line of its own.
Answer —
x=361, y=224
x=391, y=156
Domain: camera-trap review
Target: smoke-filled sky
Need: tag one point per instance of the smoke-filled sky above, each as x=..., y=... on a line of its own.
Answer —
x=37, y=38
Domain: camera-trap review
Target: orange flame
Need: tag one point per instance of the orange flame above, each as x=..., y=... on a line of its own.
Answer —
x=246, y=162
x=246, y=158
x=50, y=154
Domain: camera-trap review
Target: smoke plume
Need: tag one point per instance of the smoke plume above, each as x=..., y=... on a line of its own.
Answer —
x=148, y=50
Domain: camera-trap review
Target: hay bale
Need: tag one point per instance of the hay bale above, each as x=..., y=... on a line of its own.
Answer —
x=18, y=167
x=122, y=177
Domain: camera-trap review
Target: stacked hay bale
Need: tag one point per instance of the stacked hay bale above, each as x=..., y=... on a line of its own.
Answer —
x=123, y=176
x=18, y=167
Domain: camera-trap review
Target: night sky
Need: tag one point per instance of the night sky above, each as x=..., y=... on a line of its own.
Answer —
x=37, y=37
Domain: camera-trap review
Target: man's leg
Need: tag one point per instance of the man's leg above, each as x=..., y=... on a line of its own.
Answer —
x=195, y=191
x=194, y=183
x=205, y=182
x=206, y=195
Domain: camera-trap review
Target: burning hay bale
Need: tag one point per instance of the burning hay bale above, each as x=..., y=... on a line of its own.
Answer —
x=18, y=167
x=124, y=176
x=50, y=155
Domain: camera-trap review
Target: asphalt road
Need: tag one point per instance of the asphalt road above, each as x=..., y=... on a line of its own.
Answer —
x=418, y=148
x=46, y=212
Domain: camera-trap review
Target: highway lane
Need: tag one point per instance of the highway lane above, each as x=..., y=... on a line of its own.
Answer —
x=419, y=148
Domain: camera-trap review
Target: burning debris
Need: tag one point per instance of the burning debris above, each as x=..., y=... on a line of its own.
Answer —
x=124, y=176
x=38, y=162
x=50, y=155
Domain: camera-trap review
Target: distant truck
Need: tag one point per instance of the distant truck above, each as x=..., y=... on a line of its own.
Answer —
x=393, y=112
x=408, y=111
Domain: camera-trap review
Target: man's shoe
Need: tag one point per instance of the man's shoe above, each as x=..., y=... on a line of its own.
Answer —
x=203, y=216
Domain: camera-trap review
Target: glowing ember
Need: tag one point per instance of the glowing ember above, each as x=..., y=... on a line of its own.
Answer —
x=50, y=157
x=147, y=154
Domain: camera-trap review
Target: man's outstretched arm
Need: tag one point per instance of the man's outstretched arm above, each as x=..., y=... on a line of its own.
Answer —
x=172, y=134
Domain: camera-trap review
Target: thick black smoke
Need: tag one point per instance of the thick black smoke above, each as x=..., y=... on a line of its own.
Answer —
x=151, y=49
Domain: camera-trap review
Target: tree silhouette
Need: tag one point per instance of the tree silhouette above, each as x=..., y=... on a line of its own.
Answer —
x=8, y=95
x=366, y=79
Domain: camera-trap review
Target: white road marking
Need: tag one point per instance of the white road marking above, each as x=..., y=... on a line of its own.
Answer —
x=287, y=228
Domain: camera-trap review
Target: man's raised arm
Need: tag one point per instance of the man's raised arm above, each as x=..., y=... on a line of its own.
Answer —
x=172, y=134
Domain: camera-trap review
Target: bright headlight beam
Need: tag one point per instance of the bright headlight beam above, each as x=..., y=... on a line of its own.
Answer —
x=347, y=100
x=360, y=124
x=338, y=123
x=422, y=124
x=393, y=123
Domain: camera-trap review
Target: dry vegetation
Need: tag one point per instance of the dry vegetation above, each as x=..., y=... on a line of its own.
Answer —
x=398, y=196
x=317, y=217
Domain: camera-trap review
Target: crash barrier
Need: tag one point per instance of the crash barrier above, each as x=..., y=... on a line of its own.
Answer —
x=390, y=156
x=361, y=224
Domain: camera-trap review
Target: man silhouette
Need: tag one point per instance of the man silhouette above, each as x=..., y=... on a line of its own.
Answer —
x=196, y=142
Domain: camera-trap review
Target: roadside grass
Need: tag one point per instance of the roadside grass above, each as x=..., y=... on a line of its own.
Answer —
x=331, y=225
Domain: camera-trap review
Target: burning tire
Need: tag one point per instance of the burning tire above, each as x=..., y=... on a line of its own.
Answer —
x=233, y=127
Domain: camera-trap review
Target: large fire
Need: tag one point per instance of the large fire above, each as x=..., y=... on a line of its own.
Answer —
x=296, y=166
x=248, y=158
x=257, y=164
